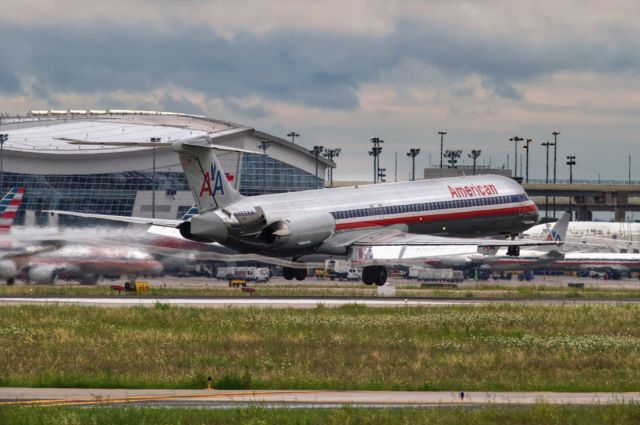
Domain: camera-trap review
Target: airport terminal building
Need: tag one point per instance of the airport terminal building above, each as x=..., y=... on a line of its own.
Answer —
x=120, y=179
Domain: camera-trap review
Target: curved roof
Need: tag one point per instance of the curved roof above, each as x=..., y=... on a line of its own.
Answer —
x=42, y=134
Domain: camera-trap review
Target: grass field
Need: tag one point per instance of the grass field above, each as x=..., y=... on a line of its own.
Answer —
x=499, y=347
x=490, y=290
x=535, y=415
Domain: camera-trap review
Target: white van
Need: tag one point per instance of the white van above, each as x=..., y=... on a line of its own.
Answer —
x=354, y=274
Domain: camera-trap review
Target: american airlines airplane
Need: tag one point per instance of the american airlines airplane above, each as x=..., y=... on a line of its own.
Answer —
x=595, y=235
x=335, y=221
x=14, y=256
x=467, y=257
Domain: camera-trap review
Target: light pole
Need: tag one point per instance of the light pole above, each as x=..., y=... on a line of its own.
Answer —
x=382, y=173
x=317, y=150
x=546, y=177
x=453, y=155
x=413, y=152
x=3, y=138
x=375, y=152
x=441, y=133
x=515, y=139
x=330, y=154
x=264, y=145
x=526, y=148
x=153, y=178
x=555, y=150
x=293, y=136
x=475, y=153
x=571, y=161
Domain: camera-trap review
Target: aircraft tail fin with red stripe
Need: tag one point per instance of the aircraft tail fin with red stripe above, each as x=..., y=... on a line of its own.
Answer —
x=9, y=208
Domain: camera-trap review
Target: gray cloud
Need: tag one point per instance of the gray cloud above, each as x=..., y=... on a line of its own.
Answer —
x=315, y=69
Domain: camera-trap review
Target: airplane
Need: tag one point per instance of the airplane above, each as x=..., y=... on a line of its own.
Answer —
x=335, y=221
x=596, y=236
x=89, y=263
x=467, y=257
x=612, y=263
x=15, y=256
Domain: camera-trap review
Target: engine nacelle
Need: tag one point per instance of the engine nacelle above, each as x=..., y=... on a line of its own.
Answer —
x=205, y=227
x=299, y=232
x=42, y=275
x=8, y=269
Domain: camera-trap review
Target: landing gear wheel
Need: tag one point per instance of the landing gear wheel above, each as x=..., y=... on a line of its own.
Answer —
x=11, y=281
x=380, y=276
x=301, y=274
x=368, y=275
x=288, y=273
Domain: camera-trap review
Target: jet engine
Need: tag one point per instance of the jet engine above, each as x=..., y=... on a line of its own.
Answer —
x=8, y=270
x=42, y=275
x=206, y=227
x=299, y=232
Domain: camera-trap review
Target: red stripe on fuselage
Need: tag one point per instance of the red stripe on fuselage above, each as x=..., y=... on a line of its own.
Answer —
x=437, y=217
x=598, y=263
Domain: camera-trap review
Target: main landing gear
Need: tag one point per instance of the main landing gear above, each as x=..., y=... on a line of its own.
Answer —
x=514, y=250
x=289, y=273
x=374, y=274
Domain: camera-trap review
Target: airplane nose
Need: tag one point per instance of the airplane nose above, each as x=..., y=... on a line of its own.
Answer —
x=528, y=214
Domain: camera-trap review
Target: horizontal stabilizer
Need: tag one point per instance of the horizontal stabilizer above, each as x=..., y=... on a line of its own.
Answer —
x=387, y=237
x=202, y=141
x=136, y=220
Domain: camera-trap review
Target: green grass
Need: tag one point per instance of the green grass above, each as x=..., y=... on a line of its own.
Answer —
x=495, y=347
x=536, y=415
x=313, y=288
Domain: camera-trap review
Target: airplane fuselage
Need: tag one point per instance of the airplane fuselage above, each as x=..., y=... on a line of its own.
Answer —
x=484, y=205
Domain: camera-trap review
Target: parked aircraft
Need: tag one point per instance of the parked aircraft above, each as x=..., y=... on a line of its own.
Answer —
x=467, y=257
x=13, y=256
x=334, y=221
x=596, y=236
x=89, y=263
x=612, y=262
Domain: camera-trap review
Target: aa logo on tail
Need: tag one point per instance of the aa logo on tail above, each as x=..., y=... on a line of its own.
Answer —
x=214, y=176
x=553, y=236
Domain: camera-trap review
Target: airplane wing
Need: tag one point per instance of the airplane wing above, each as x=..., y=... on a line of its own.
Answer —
x=388, y=237
x=27, y=251
x=136, y=220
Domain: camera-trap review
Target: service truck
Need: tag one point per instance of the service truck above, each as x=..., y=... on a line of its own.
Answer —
x=337, y=269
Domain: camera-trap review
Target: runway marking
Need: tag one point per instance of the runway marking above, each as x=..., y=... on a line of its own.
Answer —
x=295, y=302
x=137, y=399
x=229, y=302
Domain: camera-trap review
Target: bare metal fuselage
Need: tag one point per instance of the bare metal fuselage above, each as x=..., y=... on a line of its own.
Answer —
x=485, y=205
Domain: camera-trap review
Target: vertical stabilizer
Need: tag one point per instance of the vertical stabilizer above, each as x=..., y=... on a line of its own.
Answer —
x=558, y=231
x=9, y=208
x=209, y=185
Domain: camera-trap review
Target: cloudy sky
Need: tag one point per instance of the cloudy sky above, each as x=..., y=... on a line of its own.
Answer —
x=340, y=72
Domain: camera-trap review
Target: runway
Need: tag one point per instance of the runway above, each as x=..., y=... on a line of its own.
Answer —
x=293, y=398
x=292, y=302
x=223, y=302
